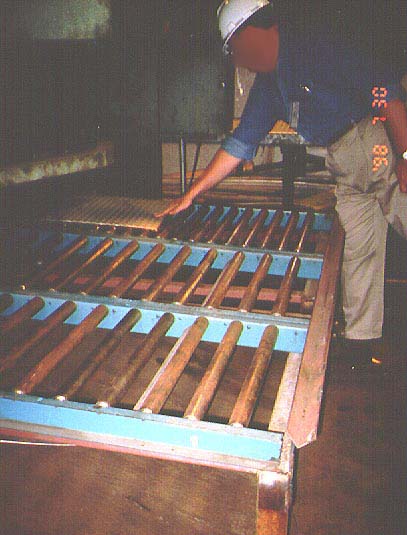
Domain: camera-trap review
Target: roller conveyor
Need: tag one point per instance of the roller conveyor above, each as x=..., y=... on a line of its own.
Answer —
x=203, y=342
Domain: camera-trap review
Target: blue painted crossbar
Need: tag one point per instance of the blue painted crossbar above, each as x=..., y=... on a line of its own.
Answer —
x=322, y=222
x=291, y=337
x=133, y=429
x=311, y=264
x=310, y=268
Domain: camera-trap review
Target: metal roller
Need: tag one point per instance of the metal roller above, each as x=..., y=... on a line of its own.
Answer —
x=288, y=231
x=44, y=249
x=220, y=288
x=96, y=252
x=46, y=326
x=257, y=226
x=48, y=244
x=193, y=223
x=60, y=259
x=284, y=293
x=246, y=401
x=305, y=231
x=171, y=225
x=51, y=359
x=274, y=224
x=22, y=314
x=206, y=390
x=142, y=354
x=252, y=291
x=190, y=285
x=227, y=220
x=170, y=371
x=168, y=274
x=103, y=350
x=121, y=257
x=209, y=224
x=238, y=233
x=138, y=271
x=180, y=226
x=26, y=255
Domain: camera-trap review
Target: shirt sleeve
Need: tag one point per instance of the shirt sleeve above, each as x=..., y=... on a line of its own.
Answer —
x=263, y=108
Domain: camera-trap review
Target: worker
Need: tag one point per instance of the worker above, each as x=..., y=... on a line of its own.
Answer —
x=345, y=103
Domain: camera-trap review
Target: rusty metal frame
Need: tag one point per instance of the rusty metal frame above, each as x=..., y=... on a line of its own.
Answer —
x=295, y=416
x=304, y=417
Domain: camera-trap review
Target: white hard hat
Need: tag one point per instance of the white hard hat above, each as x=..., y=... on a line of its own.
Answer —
x=233, y=13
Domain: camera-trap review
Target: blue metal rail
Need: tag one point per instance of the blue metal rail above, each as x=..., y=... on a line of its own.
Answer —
x=135, y=429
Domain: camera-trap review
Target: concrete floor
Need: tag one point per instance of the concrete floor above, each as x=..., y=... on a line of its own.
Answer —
x=352, y=480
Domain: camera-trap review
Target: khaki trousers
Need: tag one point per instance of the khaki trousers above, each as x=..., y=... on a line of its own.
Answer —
x=367, y=201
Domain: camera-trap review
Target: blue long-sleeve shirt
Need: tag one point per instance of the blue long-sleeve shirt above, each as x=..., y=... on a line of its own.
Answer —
x=332, y=83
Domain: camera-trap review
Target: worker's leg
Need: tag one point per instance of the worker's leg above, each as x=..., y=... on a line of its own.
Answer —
x=363, y=264
x=350, y=160
x=383, y=180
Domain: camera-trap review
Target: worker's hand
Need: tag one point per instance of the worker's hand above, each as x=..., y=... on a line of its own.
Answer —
x=176, y=206
x=401, y=173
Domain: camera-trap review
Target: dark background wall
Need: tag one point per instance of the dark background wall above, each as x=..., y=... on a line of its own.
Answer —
x=74, y=72
x=139, y=71
x=52, y=83
x=196, y=82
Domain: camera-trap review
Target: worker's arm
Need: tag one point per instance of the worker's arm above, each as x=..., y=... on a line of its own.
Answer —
x=396, y=125
x=221, y=165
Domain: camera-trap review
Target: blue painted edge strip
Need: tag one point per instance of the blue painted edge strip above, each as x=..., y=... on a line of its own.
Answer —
x=311, y=264
x=291, y=337
x=167, y=431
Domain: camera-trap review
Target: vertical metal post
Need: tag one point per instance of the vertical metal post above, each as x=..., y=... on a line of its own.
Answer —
x=183, y=164
x=294, y=158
